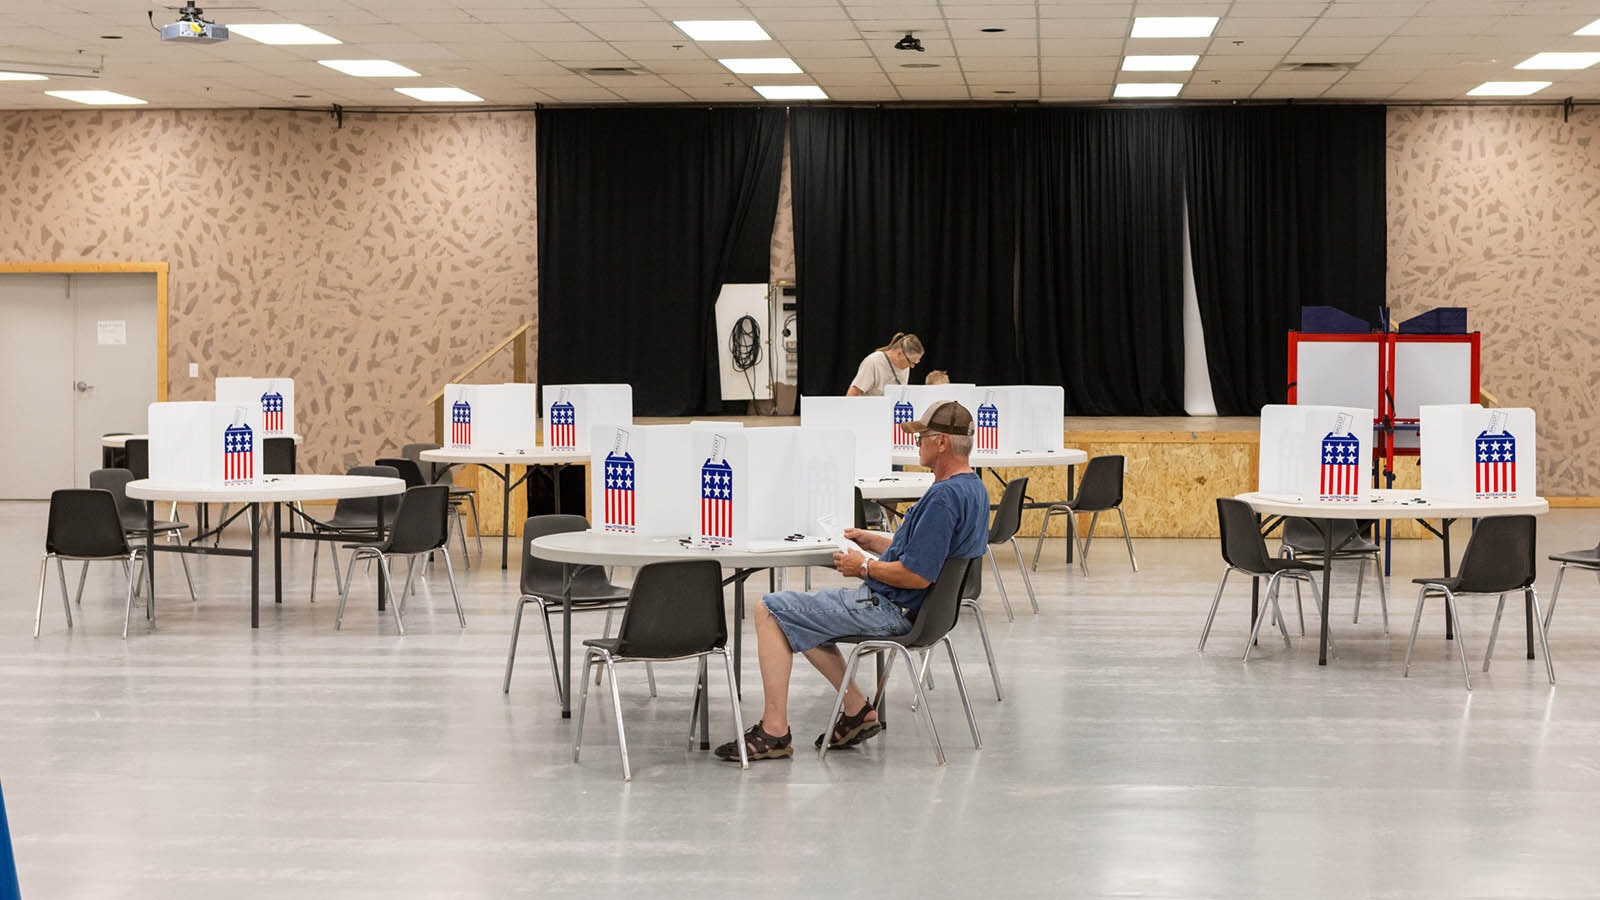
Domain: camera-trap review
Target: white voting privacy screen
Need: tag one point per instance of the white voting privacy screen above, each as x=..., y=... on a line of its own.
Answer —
x=1429, y=373
x=1316, y=452
x=1473, y=453
x=274, y=396
x=922, y=396
x=757, y=486
x=204, y=443
x=874, y=422
x=492, y=417
x=1018, y=418
x=1337, y=373
x=642, y=480
x=571, y=411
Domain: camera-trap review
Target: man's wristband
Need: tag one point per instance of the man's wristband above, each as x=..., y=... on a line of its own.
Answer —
x=866, y=567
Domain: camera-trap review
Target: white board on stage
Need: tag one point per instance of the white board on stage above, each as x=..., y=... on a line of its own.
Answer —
x=643, y=480
x=734, y=302
x=1315, y=452
x=1473, y=453
x=872, y=420
x=274, y=396
x=761, y=485
x=492, y=417
x=571, y=411
x=1018, y=418
x=204, y=442
x=1337, y=373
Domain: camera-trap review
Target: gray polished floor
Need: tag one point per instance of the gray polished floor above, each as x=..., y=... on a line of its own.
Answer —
x=203, y=759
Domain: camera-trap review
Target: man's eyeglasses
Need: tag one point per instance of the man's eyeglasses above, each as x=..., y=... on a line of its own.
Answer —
x=923, y=434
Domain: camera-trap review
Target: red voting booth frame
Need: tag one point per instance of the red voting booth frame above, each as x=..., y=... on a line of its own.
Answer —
x=1387, y=422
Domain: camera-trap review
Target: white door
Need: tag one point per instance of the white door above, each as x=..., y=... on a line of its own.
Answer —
x=78, y=359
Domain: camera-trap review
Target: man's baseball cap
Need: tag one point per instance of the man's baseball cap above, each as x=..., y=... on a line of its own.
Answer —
x=945, y=417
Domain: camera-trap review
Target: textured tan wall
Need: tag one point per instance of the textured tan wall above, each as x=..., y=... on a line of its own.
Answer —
x=1497, y=209
x=369, y=263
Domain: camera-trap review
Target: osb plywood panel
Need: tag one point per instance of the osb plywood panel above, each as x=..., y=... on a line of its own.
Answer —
x=1497, y=209
x=369, y=262
x=491, y=497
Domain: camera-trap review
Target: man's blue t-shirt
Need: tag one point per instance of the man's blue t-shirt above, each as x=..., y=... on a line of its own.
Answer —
x=950, y=521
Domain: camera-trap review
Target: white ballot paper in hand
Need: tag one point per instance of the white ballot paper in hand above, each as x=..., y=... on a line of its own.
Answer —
x=830, y=527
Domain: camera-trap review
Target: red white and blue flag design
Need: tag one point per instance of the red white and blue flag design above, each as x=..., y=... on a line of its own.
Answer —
x=271, y=413
x=900, y=437
x=1340, y=470
x=563, y=426
x=1496, y=467
x=238, y=455
x=461, y=424
x=988, y=440
x=716, y=502
x=620, y=514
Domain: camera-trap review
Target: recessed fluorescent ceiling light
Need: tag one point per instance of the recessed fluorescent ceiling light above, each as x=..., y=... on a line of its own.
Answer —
x=1168, y=63
x=1559, y=61
x=774, y=65
x=98, y=98
x=1590, y=30
x=22, y=76
x=791, y=92
x=1173, y=26
x=724, y=30
x=441, y=95
x=1141, y=89
x=283, y=34
x=369, y=68
x=1507, y=88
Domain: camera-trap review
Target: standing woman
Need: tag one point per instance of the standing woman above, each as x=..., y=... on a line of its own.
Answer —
x=888, y=365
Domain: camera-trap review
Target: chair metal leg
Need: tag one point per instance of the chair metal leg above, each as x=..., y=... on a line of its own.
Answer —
x=1268, y=607
x=1206, y=631
x=511, y=655
x=922, y=700
x=1088, y=539
x=1494, y=631
x=38, y=608
x=738, y=716
x=583, y=702
x=383, y=573
x=133, y=579
x=1555, y=594
x=1361, y=575
x=850, y=664
x=1416, y=621
x=450, y=576
x=1044, y=526
x=994, y=566
x=1127, y=539
x=1027, y=582
x=1461, y=639
x=1076, y=538
x=1544, y=639
x=988, y=652
x=1383, y=589
x=477, y=531
x=961, y=688
x=344, y=592
x=616, y=710
x=316, y=554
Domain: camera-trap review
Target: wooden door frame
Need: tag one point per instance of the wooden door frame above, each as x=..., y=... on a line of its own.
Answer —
x=159, y=269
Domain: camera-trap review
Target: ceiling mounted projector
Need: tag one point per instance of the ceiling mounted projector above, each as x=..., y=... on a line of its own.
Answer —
x=191, y=27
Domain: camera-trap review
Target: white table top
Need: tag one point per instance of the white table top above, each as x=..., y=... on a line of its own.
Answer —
x=271, y=489
x=533, y=456
x=121, y=440
x=601, y=549
x=1020, y=459
x=1392, y=504
x=895, y=486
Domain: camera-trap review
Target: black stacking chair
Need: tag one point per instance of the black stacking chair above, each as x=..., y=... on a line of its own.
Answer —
x=420, y=527
x=113, y=457
x=84, y=525
x=138, y=456
x=412, y=472
x=675, y=611
x=132, y=514
x=544, y=585
x=1245, y=550
x=1499, y=559
x=1003, y=529
x=1100, y=490
x=438, y=474
x=940, y=609
x=355, y=518
x=1587, y=560
x=1301, y=537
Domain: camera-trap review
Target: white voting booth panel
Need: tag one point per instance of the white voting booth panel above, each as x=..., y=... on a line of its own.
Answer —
x=1473, y=453
x=1429, y=373
x=874, y=421
x=757, y=486
x=1316, y=452
x=204, y=442
x=643, y=479
x=1016, y=418
x=920, y=397
x=571, y=412
x=491, y=417
x=274, y=397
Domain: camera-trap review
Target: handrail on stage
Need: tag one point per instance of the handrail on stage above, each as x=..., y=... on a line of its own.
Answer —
x=519, y=365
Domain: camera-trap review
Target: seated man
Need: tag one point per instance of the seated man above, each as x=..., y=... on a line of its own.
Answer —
x=950, y=521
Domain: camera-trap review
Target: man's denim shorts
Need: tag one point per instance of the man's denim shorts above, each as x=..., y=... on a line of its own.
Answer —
x=814, y=619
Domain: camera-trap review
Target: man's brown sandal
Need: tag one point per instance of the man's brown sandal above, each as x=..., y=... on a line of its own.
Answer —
x=759, y=745
x=852, y=730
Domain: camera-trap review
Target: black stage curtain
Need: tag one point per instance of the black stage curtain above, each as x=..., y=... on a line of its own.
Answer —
x=643, y=216
x=904, y=221
x=1286, y=209
x=1100, y=267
